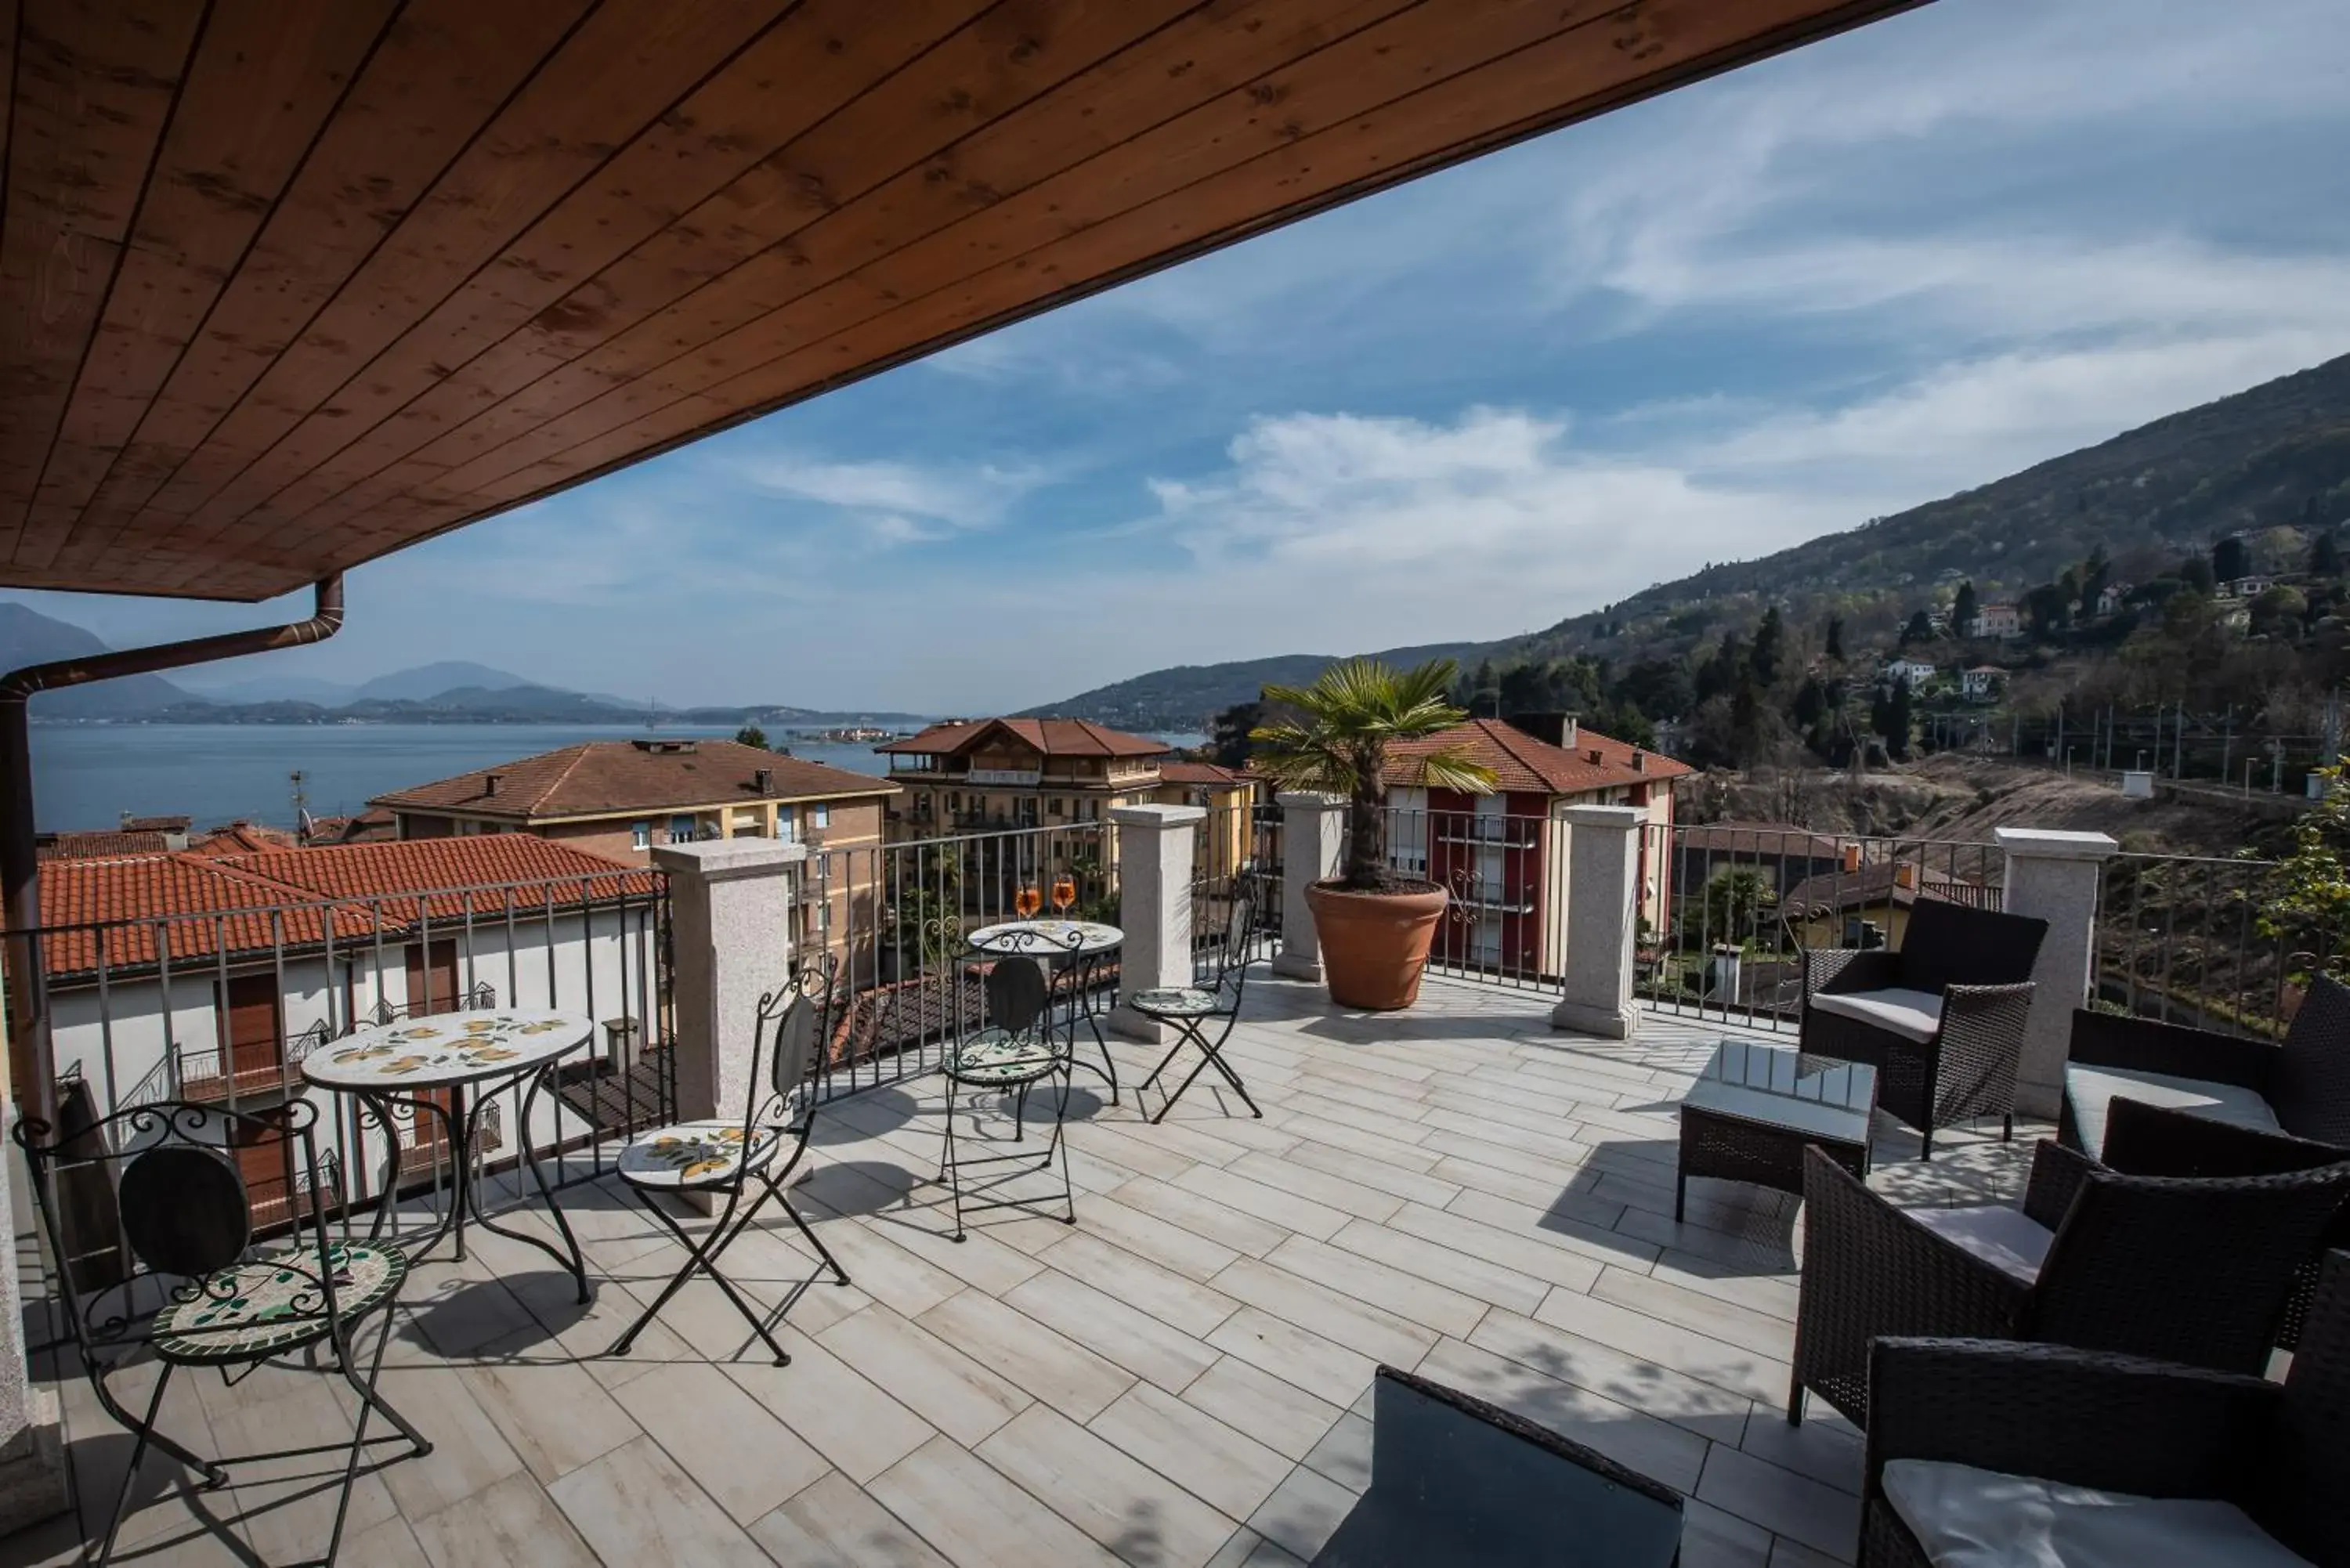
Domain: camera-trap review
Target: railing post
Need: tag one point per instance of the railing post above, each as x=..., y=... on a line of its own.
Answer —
x=1154, y=903
x=2053, y=876
x=730, y=913
x=1603, y=897
x=1313, y=834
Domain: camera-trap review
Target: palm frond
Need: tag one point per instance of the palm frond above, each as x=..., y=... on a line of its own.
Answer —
x=1454, y=768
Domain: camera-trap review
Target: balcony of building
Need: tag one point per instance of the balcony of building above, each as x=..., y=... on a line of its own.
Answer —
x=1467, y=1189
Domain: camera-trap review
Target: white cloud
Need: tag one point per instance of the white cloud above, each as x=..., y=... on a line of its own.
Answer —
x=895, y=501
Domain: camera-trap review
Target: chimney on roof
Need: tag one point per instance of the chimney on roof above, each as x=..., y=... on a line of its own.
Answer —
x=1553, y=729
x=1596, y=758
x=1851, y=859
x=490, y=783
x=1905, y=875
x=764, y=781
x=1639, y=761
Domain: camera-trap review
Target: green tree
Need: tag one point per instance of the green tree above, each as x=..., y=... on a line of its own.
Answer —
x=1228, y=731
x=1892, y=716
x=1769, y=638
x=751, y=735
x=1920, y=629
x=1339, y=746
x=2196, y=573
x=1835, y=636
x=2307, y=909
x=2230, y=559
x=1964, y=609
x=1733, y=907
x=2325, y=555
x=1485, y=690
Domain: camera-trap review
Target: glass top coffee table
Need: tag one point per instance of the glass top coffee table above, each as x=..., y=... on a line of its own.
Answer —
x=1753, y=1110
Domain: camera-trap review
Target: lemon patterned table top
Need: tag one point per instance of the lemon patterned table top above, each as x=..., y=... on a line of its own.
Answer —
x=446, y=1048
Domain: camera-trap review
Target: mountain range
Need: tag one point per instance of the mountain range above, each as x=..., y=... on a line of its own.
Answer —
x=449, y=691
x=2272, y=463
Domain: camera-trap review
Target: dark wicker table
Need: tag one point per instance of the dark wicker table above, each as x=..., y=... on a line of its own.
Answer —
x=1755, y=1107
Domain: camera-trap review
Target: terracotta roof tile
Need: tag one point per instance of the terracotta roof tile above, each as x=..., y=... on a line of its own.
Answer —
x=207, y=902
x=1054, y=737
x=240, y=838
x=101, y=845
x=1879, y=883
x=603, y=778
x=1762, y=839
x=1520, y=763
x=1202, y=774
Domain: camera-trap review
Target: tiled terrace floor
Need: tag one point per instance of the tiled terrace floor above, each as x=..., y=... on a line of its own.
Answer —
x=1179, y=1379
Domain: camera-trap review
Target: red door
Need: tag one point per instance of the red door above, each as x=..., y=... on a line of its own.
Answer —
x=432, y=986
x=252, y=1035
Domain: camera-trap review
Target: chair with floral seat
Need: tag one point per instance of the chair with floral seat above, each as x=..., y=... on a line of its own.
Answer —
x=1013, y=1050
x=164, y=1265
x=749, y=1159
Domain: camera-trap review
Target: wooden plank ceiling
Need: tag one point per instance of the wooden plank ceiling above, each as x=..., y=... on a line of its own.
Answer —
x=285, y=285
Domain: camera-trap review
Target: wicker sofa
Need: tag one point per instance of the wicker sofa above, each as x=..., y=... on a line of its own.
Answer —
x=1941, y=1020
x=2240, y=1462
x=2185, y=1269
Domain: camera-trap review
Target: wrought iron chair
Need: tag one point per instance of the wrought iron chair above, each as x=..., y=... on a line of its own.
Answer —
x=1193, y=1010
x=177, y=1276
x=750, y=1159
x=1012, y=1053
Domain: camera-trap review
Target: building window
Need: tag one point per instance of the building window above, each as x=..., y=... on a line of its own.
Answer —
x=820, y=814
x=1057, y=805
x=784, y=825
x=641, y=835
x=681, y=830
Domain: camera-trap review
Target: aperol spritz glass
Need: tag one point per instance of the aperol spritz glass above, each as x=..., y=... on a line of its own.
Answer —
x=1065, y=893
x=1028, y=900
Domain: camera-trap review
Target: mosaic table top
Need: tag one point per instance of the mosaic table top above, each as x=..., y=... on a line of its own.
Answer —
x=446, y=1048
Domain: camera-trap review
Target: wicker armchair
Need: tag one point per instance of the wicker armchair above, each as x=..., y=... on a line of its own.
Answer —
x=2300, y=1088
x=2119, y=1424
x=2190, y=1271
x=1941, y=1020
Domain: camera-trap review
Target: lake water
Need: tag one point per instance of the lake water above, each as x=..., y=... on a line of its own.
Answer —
x=88, y=775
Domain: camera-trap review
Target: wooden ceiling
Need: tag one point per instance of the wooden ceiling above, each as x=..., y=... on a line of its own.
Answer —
x=285, y=285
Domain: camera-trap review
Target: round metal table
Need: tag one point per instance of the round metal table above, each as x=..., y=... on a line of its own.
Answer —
x=1075, y=948
x=470, y=1056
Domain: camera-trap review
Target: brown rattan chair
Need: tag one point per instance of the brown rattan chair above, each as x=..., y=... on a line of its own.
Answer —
x=2183, y=1270
x=1941, y=1020
x=2280, y=1453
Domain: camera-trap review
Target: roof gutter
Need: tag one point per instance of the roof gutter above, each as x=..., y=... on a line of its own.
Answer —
x=32, y=1060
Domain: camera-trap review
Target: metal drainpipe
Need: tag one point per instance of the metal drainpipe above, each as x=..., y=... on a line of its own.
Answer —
x=32, y=1066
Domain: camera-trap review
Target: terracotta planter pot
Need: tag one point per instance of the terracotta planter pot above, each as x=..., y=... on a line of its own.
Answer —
x=1375, y=945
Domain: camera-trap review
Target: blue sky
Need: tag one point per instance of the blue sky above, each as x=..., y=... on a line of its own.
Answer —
x=1896, y=265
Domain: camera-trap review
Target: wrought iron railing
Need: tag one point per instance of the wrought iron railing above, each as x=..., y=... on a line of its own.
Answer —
x=2181, y=938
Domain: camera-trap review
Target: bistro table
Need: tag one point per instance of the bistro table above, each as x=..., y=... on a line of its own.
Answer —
x=1076, y=949
x=451, y=1065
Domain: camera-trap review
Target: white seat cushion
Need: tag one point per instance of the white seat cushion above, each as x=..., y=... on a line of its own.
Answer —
x=1967, y=1517
x=1912, y=1014
x=2091, y=1089
x=2006, y=1239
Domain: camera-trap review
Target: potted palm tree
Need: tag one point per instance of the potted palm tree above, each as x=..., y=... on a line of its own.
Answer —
x=1376, y=924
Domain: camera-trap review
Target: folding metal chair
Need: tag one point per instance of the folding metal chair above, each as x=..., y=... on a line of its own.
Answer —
x=151, y=1221
x=753, y=1158
x=1012, y=1053
x=1194, y=1010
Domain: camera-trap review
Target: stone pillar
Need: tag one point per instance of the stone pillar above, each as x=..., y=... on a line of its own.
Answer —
x=1603, y=903
x=32, y=1443
x=731, y=934
x=1312, y=834
x=1154, y=903
x=2053, y=876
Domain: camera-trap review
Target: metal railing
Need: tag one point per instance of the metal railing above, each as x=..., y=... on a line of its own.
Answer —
x=1727, y=911
x=224, y=1004
x=2180, y=937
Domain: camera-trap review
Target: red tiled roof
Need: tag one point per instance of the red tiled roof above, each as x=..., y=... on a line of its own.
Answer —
x=1760, y=840
x=1054, y=737
x=610, y=778
x=1520, y=763
x=227, y=899
x=240, y=838
x=100, y=846
x=1202, y=774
